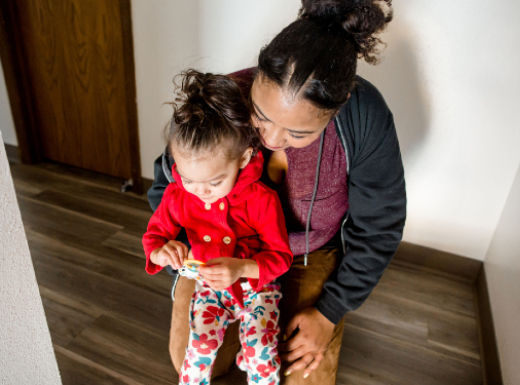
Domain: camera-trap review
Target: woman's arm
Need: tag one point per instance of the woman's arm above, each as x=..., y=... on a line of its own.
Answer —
x=162, y=178
x=377, y=200
x=377, y=214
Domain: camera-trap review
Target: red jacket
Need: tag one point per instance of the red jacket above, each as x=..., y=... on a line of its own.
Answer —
x=247, y=223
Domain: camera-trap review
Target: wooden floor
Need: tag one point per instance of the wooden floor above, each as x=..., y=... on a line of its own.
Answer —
x=109, y=319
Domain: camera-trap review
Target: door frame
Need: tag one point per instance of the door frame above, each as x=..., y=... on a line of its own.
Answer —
x=22, y=100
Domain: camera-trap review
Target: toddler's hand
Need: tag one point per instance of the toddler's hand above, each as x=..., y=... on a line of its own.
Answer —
x=173, y=253
x=220, y=273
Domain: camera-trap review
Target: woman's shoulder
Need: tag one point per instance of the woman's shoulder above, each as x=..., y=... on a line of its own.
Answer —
x=365, y=96
x=366, y=111
x=365, y=120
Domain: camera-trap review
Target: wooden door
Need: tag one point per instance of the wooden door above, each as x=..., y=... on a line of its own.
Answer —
x=81, y=82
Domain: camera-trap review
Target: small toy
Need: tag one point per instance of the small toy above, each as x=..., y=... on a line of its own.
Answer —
x=190, y=269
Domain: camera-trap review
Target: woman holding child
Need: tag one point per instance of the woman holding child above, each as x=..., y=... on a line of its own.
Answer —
x=330, y=151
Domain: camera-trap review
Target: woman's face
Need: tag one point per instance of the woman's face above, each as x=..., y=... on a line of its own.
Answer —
x=282, y=120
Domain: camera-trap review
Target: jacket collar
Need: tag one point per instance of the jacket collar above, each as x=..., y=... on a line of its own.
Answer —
x=247, y=176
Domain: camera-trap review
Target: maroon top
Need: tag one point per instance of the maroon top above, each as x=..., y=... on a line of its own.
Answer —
x=295, y=192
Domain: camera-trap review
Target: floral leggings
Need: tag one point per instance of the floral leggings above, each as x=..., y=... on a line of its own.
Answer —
x=210, y=314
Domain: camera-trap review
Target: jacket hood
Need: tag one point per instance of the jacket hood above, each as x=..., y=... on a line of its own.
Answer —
x=247, y=176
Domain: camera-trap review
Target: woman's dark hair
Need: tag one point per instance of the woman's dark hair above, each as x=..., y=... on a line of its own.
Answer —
x=210, y=114
x=316, y=56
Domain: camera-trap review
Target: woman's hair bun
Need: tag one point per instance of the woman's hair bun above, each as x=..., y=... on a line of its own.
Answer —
x=361, y=19
x=324, y=8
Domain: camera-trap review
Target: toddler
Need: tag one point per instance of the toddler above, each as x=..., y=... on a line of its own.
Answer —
x=234, y=223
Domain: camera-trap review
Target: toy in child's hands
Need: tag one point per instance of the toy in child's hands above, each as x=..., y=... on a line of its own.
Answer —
x=190, y=269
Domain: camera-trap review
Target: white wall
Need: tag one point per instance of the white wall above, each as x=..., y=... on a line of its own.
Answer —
x=6, y=119
x=450, y=75
x=502, y=265
x=170, y=35
x=26, y=354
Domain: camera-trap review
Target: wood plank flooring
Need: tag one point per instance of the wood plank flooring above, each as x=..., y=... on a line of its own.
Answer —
x=109, y=320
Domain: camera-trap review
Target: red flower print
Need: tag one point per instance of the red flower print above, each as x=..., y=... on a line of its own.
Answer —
x=268, y=333
x=205, y=293
x=265, y=370
x=203, y=345
x=251, y=331
x=221, y=334
x=212, y=314
x=228, y=303
x=268, y=301
x=186, y=379
x=249, y=351
x=212, y=332
x=273, y=314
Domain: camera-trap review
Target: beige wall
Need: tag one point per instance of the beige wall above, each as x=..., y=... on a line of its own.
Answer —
x=502, y=266
x=171, y=35
x=26, y=354
x=451, y=78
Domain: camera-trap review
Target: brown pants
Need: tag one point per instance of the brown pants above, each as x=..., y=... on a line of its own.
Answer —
x=301, y=288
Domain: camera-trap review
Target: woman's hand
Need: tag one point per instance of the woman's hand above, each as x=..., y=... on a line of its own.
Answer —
x=220, y=273
x=173, y=253
x=307, y=347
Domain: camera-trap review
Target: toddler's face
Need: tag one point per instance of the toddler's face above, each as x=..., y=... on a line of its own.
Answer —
x=209, y=178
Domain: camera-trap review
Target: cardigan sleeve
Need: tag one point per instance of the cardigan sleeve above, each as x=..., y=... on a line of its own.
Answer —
x=275, y=256
x=377, y=200
x=162, y=228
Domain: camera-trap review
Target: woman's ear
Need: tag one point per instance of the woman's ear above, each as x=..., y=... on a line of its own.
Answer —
x=246, y=157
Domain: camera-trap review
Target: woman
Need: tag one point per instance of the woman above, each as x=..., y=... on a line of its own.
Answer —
x=333, y=156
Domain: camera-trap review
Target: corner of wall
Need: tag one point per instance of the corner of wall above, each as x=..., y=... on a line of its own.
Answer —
x=26, y=353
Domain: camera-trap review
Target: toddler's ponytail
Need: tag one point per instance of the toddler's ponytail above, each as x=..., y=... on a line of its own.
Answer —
x=210, y=114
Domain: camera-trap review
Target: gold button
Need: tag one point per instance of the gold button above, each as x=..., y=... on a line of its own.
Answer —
x=207, y=206
x=227, y=240
x=207, y=238
x=222, y=206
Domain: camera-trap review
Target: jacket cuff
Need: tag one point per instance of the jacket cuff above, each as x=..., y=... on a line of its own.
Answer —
x=149, y=247
x=152, y=268
x=329, y=306
x=258, y=283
